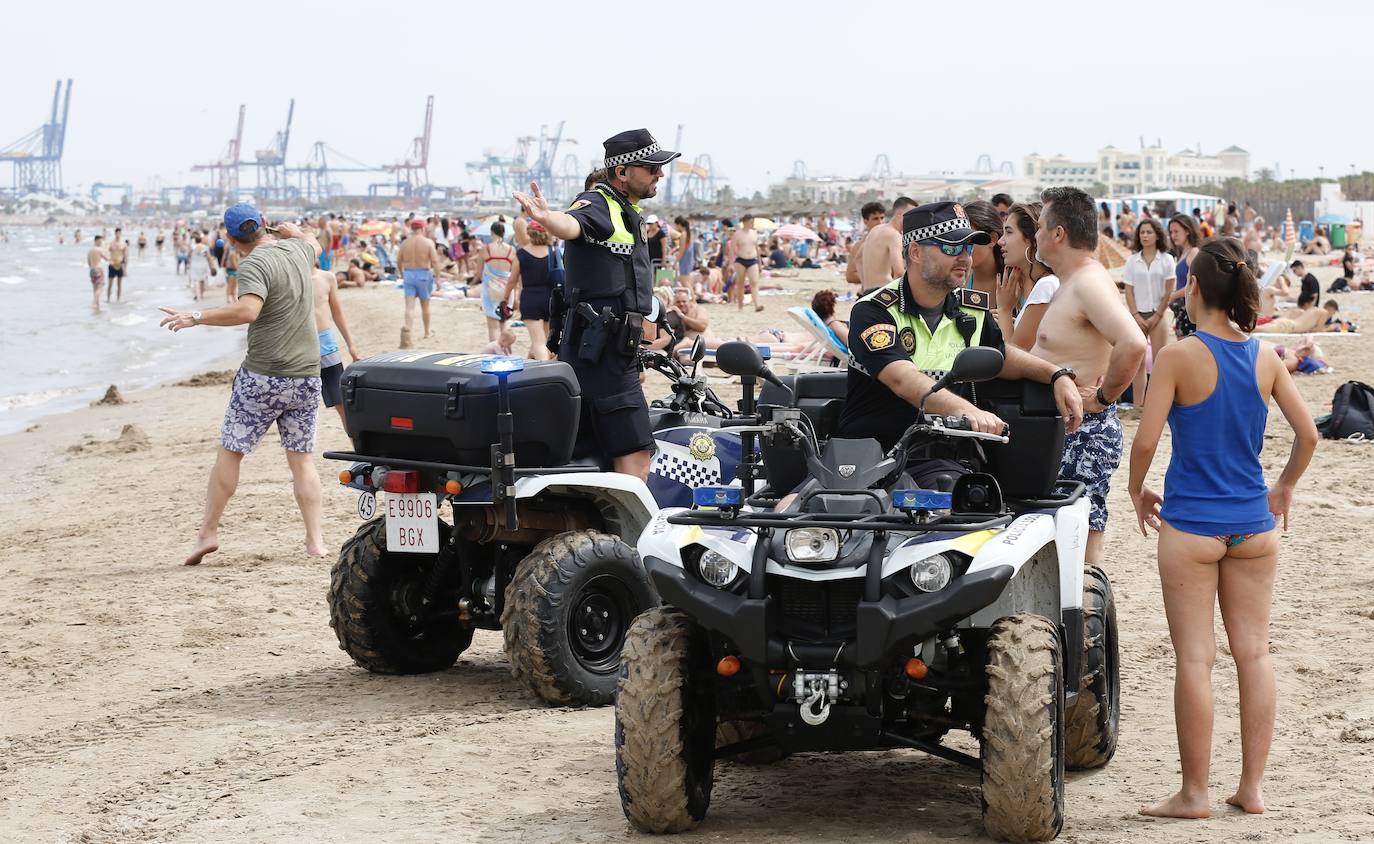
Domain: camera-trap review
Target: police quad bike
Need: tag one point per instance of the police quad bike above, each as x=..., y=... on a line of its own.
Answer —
x=534, y=547
x=870, y=614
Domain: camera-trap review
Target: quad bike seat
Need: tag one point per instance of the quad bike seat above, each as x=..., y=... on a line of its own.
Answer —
x=1028, y=465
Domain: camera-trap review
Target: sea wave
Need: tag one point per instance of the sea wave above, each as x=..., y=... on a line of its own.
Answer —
x=11, y=279
x=36, y=398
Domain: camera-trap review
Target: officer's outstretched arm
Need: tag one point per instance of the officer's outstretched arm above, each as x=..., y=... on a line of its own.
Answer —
x=911, y=385
x=560, y=225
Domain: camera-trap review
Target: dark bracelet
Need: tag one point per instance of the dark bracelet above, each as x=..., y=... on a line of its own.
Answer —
x=1102, y=398
x=1060, y=373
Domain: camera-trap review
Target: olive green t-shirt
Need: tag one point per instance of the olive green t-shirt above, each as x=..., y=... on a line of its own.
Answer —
x=283, y=341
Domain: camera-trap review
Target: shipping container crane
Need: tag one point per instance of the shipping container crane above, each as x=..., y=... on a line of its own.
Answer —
x=37, y=156
x=224, y=172
x=271, y=164
x=413, y=173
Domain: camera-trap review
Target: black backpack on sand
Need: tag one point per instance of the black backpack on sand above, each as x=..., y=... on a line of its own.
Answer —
x=1352, y=413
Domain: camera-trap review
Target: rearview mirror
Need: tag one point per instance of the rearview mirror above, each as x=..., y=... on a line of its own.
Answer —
x=738, y=358
x=698, y=349
x=976, y=363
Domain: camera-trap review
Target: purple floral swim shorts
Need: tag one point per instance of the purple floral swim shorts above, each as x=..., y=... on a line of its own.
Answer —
x=259, y=400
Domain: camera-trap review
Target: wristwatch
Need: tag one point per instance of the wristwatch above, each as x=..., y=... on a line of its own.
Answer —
x=1102, y=398
x=1066, y=372
x=195, y=317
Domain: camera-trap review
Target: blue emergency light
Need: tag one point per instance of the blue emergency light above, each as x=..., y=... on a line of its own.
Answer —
x=921, y=499
x=718, y=496
x=502, y=364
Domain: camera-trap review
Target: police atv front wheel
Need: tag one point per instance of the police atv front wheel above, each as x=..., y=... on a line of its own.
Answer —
x=567, y=610
x=665, y=723
x=378, y=612
x=1094, y=721
x=1022, y=742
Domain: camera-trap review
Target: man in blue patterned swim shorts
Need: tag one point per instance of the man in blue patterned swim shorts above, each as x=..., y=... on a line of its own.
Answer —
x=279, y=381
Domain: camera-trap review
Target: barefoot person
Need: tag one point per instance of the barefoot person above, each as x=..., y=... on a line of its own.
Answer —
x=418, y=261
x=1088, y=328
x=280, y=377
x=329, y=318
x=1217, y=535
x=96, y=257
x=745, y=242
x=119, y=261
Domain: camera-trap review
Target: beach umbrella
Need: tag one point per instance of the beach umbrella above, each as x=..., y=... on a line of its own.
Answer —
x=1290, y=237
x=372, y=227
x=792, y=231
x=764, y=224
x=1110, y=253
x=843, y=225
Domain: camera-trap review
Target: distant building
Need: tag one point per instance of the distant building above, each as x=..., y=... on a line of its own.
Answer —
x=1124, y=172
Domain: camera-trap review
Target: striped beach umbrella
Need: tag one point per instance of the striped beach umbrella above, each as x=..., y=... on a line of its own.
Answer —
x=1290, y=231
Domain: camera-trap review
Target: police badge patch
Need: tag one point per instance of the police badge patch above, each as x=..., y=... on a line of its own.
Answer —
x=908, y=338
x=581, y=203
x=701, y=446
x=878, y=337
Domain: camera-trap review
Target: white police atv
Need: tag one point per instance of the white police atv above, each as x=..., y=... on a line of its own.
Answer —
x=869, y=614
x=534, y=544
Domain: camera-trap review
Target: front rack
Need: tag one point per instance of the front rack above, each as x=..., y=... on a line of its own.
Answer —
x=881, y=521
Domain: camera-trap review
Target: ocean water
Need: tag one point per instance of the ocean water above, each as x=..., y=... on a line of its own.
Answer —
x=57, y=355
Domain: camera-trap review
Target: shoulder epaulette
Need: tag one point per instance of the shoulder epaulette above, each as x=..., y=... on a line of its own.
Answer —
x=887, y=297
x=970, y=298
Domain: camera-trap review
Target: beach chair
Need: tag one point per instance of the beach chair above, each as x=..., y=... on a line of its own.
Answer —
x=825, y=342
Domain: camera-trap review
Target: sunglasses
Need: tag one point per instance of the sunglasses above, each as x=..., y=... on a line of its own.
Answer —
x=654, y=169
x=953, y=250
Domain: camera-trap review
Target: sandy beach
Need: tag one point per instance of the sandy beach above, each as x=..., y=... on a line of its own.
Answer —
x=146, y=701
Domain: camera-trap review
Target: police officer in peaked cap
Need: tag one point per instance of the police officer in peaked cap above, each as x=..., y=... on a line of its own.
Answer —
x=598, y=318
x=907, y=333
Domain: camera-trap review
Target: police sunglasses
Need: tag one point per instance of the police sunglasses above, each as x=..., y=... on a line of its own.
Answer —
x=654, y=169
x=953, y=250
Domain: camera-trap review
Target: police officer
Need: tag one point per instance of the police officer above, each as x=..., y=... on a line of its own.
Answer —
x=608, y=294
x=907, y=333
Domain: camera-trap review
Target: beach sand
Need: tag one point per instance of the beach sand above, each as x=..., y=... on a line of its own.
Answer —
x=146, y=701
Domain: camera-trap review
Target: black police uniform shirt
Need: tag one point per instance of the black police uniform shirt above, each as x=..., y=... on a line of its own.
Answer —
x=873, y=410
x=593, y=214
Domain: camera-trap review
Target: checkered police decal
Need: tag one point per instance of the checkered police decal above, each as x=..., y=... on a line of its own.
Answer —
x=934, y=232
x=676, y=463
x=631, y=157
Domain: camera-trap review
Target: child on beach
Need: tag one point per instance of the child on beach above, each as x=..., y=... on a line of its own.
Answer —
x=1216, y=525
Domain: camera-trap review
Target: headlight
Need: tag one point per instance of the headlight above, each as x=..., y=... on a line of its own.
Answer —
x=717, y=569
x=812, y=545
x=932, y=574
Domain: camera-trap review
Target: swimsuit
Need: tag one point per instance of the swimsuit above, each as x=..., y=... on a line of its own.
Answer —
x=97, y=276
x=494, y=283
x=1091, y=455
x=1231, y=540
x=418, y=282
x=256, y=401
x=746, y=262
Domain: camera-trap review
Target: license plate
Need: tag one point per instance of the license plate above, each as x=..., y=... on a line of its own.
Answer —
x=412, y=523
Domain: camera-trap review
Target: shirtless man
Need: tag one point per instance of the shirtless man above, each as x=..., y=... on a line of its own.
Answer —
x=119, y=259
x=1088, y=328
x=745, y=246
x=329, y=316
x=873, y=214
x=418, y=261
x=95, y=262
x=231, y=275
x=1303, y=319
x=142, y=244
x=687, y=318
x=881, y=259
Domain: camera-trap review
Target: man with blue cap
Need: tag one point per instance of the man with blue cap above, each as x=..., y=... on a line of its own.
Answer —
x=597, y=319
x=279, y=381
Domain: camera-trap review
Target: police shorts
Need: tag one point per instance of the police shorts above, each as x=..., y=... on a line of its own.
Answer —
x=613, y=405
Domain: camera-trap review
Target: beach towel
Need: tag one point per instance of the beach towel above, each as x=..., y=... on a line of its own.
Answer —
x=1352, y=413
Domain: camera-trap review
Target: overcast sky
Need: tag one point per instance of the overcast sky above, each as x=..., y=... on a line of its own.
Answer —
x=757, y=86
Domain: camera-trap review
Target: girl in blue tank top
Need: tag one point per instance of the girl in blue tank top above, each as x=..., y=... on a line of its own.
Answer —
x=1216, y=519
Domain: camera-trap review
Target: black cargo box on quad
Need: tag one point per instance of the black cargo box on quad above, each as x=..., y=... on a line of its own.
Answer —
x=441, y=407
